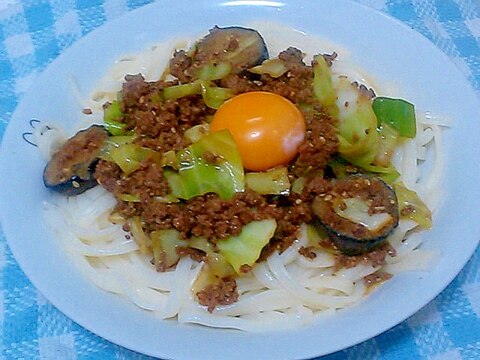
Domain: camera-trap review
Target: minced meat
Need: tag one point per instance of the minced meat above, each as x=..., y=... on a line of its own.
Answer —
x=160, y=124
x=375, y=257
x=223, y=293
x=376, y=278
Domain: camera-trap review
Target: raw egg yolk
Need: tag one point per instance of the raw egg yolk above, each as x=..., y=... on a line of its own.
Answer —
x=266, y=127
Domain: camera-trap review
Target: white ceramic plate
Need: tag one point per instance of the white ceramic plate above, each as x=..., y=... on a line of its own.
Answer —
x=381, y=45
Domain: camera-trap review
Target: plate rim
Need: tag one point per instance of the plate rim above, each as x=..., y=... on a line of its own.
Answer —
x=92, y=34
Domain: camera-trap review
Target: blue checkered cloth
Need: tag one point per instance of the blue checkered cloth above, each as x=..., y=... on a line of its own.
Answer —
x=34, y=32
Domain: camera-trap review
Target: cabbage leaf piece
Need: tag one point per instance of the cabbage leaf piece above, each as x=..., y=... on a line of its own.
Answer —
x=323, y=88
x=130, y=156
x=213, y=71
x=213, y=96
x=273, y=67
x=412, y=207
x=245, y=248
x=357, y=210
x=164, y=244
x=387, y=142
x=357, y=129
x=113, y=142
x=341, y=168
x=215, y=265
x=274, y=181
x=212, y=164
x=112, y=116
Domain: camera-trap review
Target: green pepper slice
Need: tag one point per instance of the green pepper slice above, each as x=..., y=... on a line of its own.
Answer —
x=398, y=113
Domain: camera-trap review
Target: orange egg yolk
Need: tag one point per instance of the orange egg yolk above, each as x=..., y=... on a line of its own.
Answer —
x=266, y=127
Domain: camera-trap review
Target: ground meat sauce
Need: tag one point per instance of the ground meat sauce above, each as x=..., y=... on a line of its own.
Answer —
x=223, y=293
x=319, y=145
x=160, y=124
x=376, y=278
x=295, y=84
x=205, y=216
x=180, y=66
x=147, y=182
x=376, y=258
x=308, y=252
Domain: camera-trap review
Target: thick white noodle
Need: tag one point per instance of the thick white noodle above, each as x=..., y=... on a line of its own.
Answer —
x=432, y=191
x=286, y=291
x=255, y=322
x=417, y=260
x=308, y=297
x=265, y=300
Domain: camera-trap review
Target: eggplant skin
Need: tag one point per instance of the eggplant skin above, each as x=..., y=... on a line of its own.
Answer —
x=351, y=246
x=70, y=170
x=241, y=47
x=351, y=238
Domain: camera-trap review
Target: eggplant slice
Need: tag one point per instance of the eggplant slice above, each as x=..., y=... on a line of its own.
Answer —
x=357, y=212
x=70, y=170
x=239, y=46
